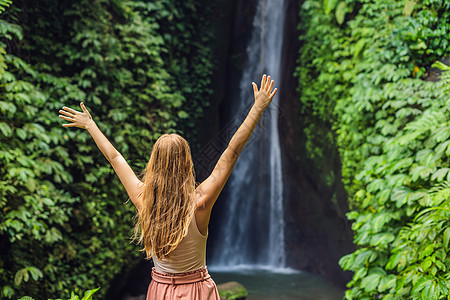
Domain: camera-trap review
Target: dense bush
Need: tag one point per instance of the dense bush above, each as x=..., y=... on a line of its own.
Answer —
x=361, y=71
x=64, y=221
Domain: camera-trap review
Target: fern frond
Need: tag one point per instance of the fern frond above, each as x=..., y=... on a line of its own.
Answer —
x=4, y=4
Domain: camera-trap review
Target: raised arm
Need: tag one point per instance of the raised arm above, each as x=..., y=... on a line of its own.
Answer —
x=126, y=175
x=209, y=190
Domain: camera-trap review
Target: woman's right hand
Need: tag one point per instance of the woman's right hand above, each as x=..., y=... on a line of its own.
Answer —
x=77, y=119
x=264, y=96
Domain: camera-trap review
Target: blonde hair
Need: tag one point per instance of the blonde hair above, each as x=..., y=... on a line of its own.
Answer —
x=168, y=197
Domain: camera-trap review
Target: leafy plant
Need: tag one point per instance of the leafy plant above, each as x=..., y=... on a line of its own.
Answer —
x=4, y=4
x=236, y=293
x=63, y=219
x=367, y=96
x=87, y=295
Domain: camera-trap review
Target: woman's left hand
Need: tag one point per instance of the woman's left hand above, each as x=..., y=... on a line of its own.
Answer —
x=77, y=119
x=264, y=96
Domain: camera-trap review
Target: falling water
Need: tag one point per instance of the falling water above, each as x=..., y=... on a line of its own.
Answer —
x=252, y=227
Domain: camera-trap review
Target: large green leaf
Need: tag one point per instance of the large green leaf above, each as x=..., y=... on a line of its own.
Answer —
x=5, y=129
x=88, y=294
x=387, y=282
x=370, y=282
x=409, y=7
x=431, y=291
x=341, y=11
x=359, y=46
x=446, y=238
x=329, y=5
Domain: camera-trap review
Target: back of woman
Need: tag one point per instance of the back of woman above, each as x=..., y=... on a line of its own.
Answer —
x=167, y=225
x=184, y=274
x=190, y=254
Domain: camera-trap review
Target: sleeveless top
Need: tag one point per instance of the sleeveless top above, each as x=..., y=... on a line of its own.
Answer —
x=189, y=255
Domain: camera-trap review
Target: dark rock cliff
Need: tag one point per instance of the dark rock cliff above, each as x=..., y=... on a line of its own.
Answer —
x=318, y=233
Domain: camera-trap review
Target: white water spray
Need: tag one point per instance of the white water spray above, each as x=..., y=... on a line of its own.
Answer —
x=252, y=230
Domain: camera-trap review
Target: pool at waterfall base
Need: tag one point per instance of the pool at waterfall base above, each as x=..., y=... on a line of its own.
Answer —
x=282, y=284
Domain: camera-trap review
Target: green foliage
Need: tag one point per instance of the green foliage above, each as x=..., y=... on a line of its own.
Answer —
x=63, y=219
x=185, y=31
x=361, y=83
x=73, y=296
x=4, y=4
x=87, y=295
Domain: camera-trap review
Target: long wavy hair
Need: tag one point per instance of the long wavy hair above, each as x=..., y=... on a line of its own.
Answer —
x=168, y=197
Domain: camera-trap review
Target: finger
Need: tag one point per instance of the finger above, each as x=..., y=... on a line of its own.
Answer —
x=267, y=84
x=263, y=81
x=271, y=86
x=66, y=113
x=70, y=110
x=273, y=93
x=67, y=118
x=255, y=88
x=69, y=125
x=85, y=109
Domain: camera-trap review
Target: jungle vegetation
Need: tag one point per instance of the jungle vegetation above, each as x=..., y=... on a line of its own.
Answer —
x=365, y=84
x=368, y=84
x=142, y=69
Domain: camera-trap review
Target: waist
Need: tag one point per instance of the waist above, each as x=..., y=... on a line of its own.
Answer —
x=181, y=261
x=181, y=278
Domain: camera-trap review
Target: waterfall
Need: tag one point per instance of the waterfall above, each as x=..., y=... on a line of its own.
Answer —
x=252, y=226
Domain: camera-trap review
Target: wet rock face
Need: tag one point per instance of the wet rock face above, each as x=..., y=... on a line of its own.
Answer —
x=317, y=232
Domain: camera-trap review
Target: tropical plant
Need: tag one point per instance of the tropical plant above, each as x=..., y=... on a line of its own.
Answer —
x=367, y=96
x=64, y=217
x=73, y=296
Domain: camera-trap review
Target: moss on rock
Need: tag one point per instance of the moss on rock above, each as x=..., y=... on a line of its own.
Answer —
x=232, y=291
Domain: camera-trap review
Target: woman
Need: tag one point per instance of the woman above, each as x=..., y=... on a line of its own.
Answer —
x=173, y=214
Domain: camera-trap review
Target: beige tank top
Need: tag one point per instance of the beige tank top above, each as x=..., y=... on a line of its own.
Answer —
x=190, y=254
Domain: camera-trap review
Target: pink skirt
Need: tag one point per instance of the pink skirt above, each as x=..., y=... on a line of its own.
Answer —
x=194, y=285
